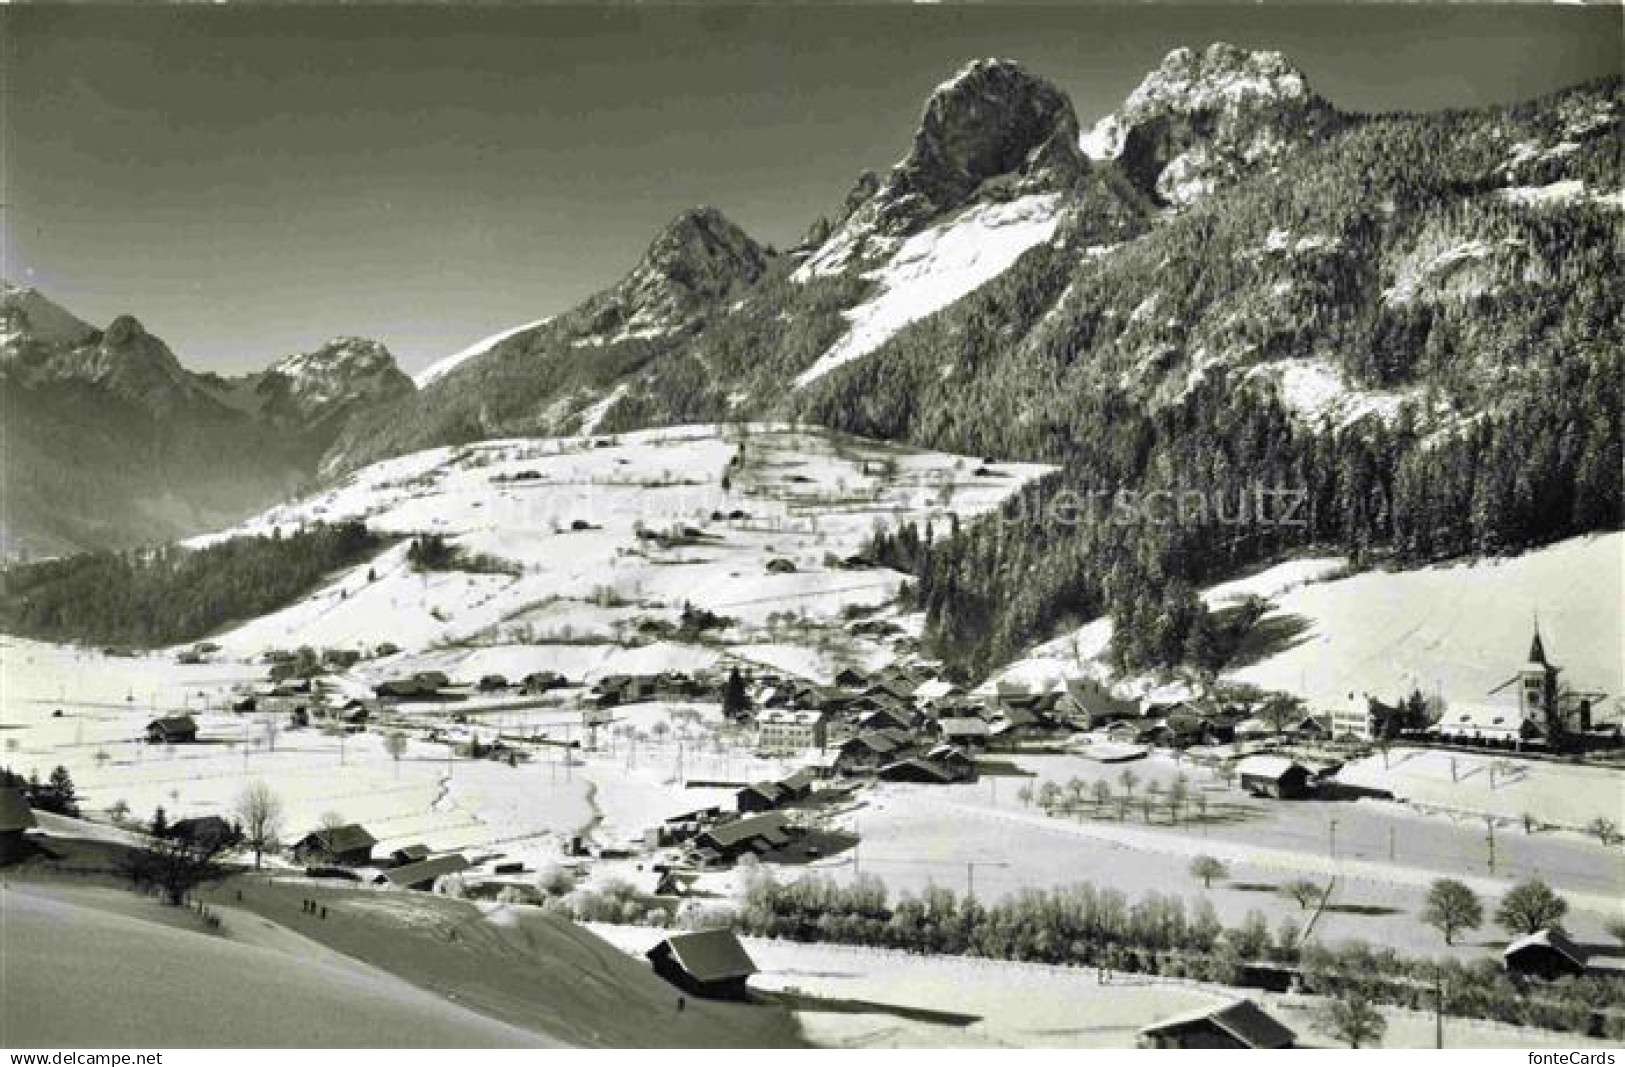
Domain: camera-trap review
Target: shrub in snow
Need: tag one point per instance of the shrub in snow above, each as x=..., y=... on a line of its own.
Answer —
x=451, y=885
x=554, y=880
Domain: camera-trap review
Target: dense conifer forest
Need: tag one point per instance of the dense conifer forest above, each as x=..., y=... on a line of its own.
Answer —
x=171, y=594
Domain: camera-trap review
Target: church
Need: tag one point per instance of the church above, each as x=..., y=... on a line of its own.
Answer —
x=1527, y=708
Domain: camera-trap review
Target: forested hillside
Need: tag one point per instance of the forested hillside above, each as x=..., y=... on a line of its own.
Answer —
x=1478, y=404
x=172, y=594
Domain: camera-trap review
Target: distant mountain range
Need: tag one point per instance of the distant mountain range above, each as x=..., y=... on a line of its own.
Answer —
x=1225, y=231
x=109, y=441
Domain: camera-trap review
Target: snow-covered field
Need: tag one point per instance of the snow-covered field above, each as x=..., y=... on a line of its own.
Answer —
x=1000, y=1004
x=560, y=519
x=985, y=836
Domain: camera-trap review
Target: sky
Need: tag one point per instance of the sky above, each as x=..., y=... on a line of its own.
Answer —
x=251, y=182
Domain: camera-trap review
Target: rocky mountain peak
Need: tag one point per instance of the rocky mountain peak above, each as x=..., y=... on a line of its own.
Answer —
x=697, y=258
x=993, y=130
x=341, y=373
x=1203, y=119
x=992, y=118
x=704, y=253
x=30, y=321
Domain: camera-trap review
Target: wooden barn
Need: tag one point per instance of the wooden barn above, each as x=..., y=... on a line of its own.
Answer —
x=1241, y=1024
x=343, y=846
x=1273, y=776
x=706, y=963
x=172, y=730
x=16, y=819
x=205, y=831
x=1545, y=954
x=424, y=873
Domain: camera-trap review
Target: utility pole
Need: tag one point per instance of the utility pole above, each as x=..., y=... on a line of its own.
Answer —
x=1489, y=830
x=1331, y=828
x=1438, y=1009
x=1390, y=843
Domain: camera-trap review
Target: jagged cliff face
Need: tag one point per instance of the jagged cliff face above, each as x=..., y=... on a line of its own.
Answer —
x=1204, y=120
x=698, y=259
x=992, y=124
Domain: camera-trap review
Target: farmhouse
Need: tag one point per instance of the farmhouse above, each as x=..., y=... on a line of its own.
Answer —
x=402, y=689
x=172, y=730
x=16, y=819
x=1239, y=1025
x=914, y=769
x=409, y=854
x=965, y=730
x=756, y=834
x=203, y=831
x=1091, y=704
x=790, y=731
x=424, y=873
x=867, y=751
x=886, y=718
x=1273, y=776
x=1545, y=954
x=765, y=796
x=706, y=963
x=543, y=681
x=759, y=796
x=1356, y=718
x=345, y=846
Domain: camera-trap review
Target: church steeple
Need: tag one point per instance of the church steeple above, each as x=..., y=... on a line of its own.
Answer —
x=1537, y=651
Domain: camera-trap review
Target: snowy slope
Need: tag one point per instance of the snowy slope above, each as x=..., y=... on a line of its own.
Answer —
x=936, y=267
x=145, y=969
x=1458, y=630
x=445, y=366
x=566, y=524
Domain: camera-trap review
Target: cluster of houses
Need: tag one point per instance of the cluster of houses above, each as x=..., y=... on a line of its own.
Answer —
x=349, y=848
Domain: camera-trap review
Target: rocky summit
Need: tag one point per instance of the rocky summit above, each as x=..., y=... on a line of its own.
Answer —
x=1202, y=120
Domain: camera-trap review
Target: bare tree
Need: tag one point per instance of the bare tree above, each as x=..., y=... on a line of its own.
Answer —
x=259, y=813
x=1302, y=890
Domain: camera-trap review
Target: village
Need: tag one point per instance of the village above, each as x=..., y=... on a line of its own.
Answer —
x=668, y=736
x=702, y=780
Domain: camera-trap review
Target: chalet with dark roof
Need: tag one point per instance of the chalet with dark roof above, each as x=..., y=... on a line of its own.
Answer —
x=1241, y=1024
x=1545, y=954
x=172, y=730
x=423, y=874
x=340, y=846
x=16, y=819
x=204, y=831
x=705, y=963
x=754, y=834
